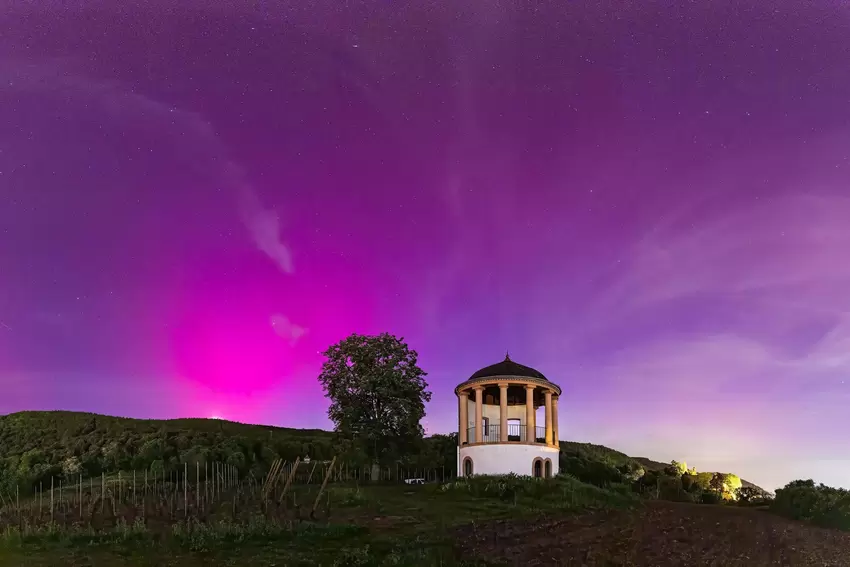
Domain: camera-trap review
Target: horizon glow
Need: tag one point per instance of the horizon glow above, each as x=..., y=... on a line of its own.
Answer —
x=648, y=206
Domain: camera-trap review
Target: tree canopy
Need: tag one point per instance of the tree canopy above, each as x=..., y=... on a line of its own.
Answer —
x=377, y=393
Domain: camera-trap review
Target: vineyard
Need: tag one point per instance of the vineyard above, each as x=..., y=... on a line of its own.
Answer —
x=202, y=494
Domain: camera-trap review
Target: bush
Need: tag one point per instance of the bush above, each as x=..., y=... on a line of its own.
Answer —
x=819, y=504
x=507, y=487
x=711, y=497
x=598, y=473
x=563, y=490
x=752, y=496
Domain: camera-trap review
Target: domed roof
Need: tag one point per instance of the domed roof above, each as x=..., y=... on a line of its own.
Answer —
x=508, y=368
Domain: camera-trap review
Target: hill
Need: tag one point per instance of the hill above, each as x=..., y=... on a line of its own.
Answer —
x=37, y=445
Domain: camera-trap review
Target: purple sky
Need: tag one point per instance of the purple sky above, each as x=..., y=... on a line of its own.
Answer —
x=649, y=205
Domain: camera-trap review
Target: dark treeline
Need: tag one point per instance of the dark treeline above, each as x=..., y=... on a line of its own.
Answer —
x=38, y=446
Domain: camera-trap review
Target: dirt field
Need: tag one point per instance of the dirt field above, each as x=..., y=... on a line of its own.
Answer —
x=658, y=535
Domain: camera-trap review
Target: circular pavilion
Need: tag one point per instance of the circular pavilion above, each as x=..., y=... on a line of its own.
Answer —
x=497, y=420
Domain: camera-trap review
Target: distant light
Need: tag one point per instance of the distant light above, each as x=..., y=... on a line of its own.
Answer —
x=215, y=417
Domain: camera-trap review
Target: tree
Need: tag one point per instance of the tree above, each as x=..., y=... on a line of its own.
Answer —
x=703, y=481
x=750, y=494
x=631, y=470
x=726, y=484
x=377, y=393
x=733, y=484
x=675, y=468
x=718, y=482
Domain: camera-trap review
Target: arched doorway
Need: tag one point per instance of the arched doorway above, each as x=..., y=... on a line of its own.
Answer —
x=548, y=468
x=537, y=468
x=467, y=467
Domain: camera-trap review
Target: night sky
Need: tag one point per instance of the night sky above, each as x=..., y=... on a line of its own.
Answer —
x=649, y=202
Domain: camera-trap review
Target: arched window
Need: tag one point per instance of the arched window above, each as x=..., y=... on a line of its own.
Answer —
x=537, y=468
x=467, y=466
x=548, y=468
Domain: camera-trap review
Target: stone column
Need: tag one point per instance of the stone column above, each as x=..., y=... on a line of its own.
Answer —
x=503, y=413
x=463, y=418
x=530, y=416
x=479, y=414
x=548, y=394
x=555, y=423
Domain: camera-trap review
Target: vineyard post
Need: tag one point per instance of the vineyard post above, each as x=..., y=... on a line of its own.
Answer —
x=134, y=489
x=289, y=480
x=322, y=489
x=51, y=498
x=198, y=484
x=185, y=489
x=81, y=496
x=102, y=490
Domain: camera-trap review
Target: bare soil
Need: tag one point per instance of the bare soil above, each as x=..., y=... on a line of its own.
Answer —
x=659, y=534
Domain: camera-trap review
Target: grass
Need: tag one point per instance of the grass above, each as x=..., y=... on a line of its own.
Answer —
x=365, y=525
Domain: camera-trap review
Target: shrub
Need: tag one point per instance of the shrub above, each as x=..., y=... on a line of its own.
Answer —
x=711, y=497
x=598, y=473
x=563, y=490
x=506, y=487
x=752, y=496
x=819, y=504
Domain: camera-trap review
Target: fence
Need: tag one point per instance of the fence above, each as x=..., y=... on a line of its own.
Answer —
x=516, y=433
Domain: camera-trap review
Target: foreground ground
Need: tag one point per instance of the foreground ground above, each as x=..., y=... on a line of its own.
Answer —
x=568, y=523
x=660, y=534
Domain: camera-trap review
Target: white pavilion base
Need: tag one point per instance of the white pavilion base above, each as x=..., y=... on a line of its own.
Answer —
x=507, y=458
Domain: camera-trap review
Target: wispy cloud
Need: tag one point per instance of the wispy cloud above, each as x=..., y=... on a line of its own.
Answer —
x=286, y=329
x=264, y=226
x=198, y=138
x=788, y=243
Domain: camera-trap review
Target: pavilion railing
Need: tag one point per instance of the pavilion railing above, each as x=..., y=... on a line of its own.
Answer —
x=516, y=433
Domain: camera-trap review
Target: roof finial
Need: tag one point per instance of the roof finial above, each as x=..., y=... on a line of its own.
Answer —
x=507, y=355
